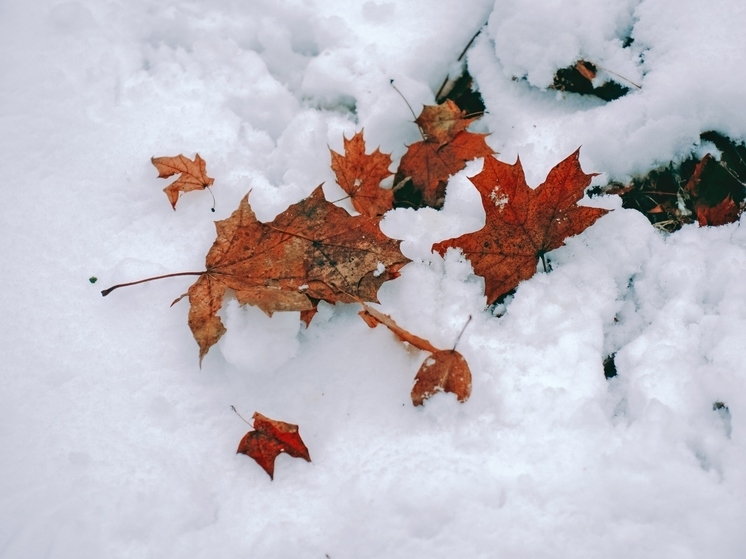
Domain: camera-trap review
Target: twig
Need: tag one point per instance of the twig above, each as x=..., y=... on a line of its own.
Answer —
x=460, y=57
x=458, y=339
x=105, y=292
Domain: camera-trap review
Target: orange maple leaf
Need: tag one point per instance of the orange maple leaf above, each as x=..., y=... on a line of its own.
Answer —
x=360, y=175
x=522, y=224
x=193, y=175
x=312, y=251
x=443, y=371
x=269, y=439
x=446, y=148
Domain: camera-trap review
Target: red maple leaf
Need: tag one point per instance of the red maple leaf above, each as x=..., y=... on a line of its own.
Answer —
x=522, y=224
x=713, y=203
x=269, y=439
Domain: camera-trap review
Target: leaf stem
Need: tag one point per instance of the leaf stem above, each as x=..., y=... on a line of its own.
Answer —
x=458, y=338
x=213, y=198
x=241, y=416
x=105, y=292
x=414, y=116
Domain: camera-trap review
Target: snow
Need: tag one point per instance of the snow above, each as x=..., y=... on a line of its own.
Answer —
x=116, y=444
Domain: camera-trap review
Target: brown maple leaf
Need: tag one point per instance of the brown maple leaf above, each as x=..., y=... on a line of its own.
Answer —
x=313, y=251
x=270, y=439
x=360, y=175
x=522, y=224
x=193, y=175
x=446, y=148
x=443, y=371
x=373, y=318
x=441, y=123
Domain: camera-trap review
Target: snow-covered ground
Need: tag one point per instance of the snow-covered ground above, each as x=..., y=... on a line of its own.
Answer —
x=113, y=442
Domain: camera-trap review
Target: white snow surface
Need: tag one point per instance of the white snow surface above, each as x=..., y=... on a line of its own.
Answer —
x=114, y=443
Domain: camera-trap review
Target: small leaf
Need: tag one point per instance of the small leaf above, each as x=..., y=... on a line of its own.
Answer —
x=269, y=439
x=360, y=175
x=93, y=279
x=193, y=175
x=713, y=203
x=443, y=371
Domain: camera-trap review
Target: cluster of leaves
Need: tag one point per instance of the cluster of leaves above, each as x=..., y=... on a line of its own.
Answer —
x=707, y=190
x=316, y=251
x=445, y=149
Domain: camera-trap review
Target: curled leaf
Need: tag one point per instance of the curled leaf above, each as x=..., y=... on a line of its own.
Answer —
x=193, y=175
x=373, y=318
x=269, y=439
x=443, y=371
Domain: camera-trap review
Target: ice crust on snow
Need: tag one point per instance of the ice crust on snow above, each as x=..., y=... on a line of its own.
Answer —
x=116, y=444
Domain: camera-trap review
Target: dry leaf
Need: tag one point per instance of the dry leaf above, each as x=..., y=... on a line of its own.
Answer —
x=193, y=175
x=726, y=211
x=443, y=371
x=360, y=175
x=522, y=224
x=446, y=149
x=313, y=251
x=373, y=318
x=269, y=439
x=713, y=203
x=441, y=123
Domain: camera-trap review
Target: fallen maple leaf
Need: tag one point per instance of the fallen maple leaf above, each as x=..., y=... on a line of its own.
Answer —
x=269, y=439
x=522, y=224
x=713, y=203
x=441, y=123
x=313, y=251
x=443, y=371
x=360, y=175
x=722, y=213
x=193, y=175
x=373, y=318
x=446, y=148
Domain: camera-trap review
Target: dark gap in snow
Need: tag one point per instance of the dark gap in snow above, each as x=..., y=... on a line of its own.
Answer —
x=579, y=79
x=461, y=91
x=610, y=366
x=724, y=412
x=710, y=190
